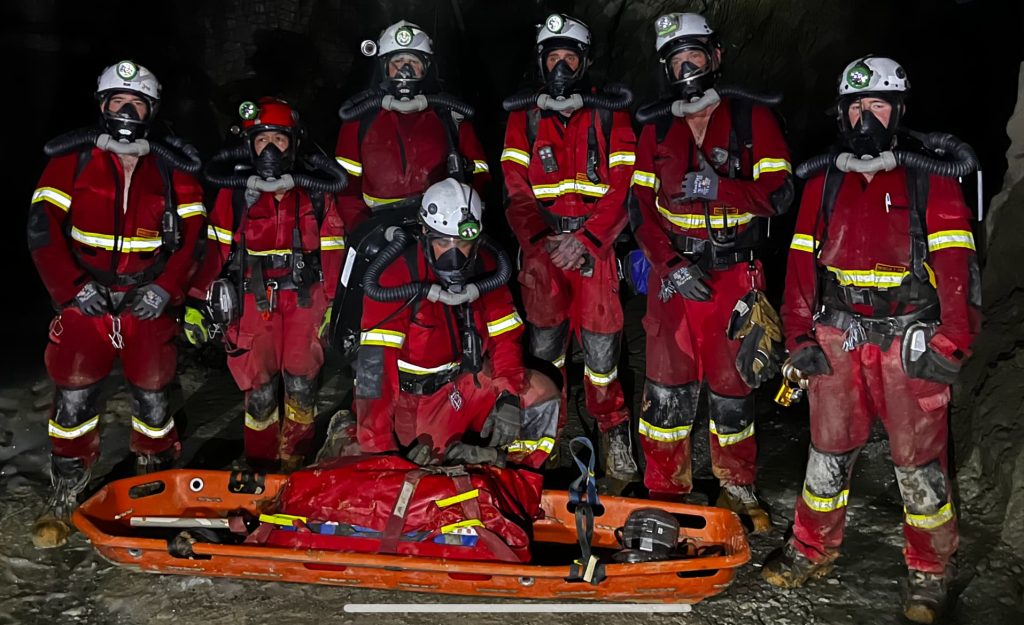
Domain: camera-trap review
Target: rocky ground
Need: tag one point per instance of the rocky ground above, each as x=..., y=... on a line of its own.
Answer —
x=75, y=585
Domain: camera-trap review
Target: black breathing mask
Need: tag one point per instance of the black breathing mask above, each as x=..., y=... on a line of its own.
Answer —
x=272, y=162
x=124, y=125
x=869, y=136
x=560, y=80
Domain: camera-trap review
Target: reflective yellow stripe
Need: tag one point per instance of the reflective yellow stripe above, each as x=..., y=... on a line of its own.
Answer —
x=767, y=165
x=724, y=440
x=950, y=238
x=254, y=424
x=480, y=167
x=451, y=501
x=559, y=362
x=353, y=167
x=804, y=243
x=142, y=427
x=929, y=521
x=565, y=187
x=518, y=156
x=384, y=338
x=528, y=447
x=286, y=520
x=825, y=504
x=54, y=196
x=58, y=431
x=267, y=252
x=408, y=367
x=332, y=243
x=190, y=210
x=621, y=158
x=644, y=179
x=691, y=221
x=869, y=278
x=601, y=379
x=664, y=435
x=219, y=235
x=461, y=524
x=125, y=244
x=505, y=324
x=379, y=201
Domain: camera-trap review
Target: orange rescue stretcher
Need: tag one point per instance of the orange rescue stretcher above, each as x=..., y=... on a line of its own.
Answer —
x=105, y=519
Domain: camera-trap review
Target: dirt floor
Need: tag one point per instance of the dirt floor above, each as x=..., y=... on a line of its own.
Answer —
x=75, y=585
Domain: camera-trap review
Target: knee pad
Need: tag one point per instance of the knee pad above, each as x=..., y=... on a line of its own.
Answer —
x=72, y=407
x=600, y=352
x=150, y=412
x=549, y=343
x=300, y=390
x=667, y=412
x=826, y=484
x=540, y=421
x=261, y=401
x=925, y=498
x=731, y=418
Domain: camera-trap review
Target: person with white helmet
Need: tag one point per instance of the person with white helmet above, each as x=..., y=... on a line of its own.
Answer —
x=440, y=352
x=113, y=229
x=402, y=134
x=882, y=302
x=568, y=159
x=710, y=171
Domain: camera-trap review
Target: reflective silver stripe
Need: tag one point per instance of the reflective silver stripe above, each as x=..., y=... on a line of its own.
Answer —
x=547, y=445
x=804, y=243
x=353, y=167
x=559, y=362
x=503, y=325
x=480, y=167
x=378, y=201
x=664, y=435
x=408, y=367
x=518, y=156
x=219, y=235
x=825, y=504
x=929, y=521
x=724, y=440
x=644, y=178
x=767, y=165
x=259, y=426
x=125, y=244
x=621, y=158
x=951, y=238
x=332, y=243
x=142, y=427
x=54, y=196
x=691, y=221
x=869, y=278
x=601, y=379
x=267, y=252
x=569, y=186
x=189, y=210
x=384, y=338
x=58, y=431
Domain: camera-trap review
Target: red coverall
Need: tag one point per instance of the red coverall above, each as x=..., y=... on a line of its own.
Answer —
x=867, y=246
x=402, y=346
x=285, y=339
x=99, y=225
x=543, y=203
x=401, y=154
x=686, y=340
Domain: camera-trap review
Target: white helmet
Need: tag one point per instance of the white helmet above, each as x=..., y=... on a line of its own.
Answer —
x=558, y=26
x=873, y=74
x=400, y=36
x=452, y=209
x=129, y=76
x=561, y=32
x=673, y=26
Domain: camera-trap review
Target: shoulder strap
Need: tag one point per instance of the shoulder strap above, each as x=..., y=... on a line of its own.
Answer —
x=171, y=223
x=741, y=136
x=532, y=124
x=607, y=119
x=661, y=127
x=917, y=190
x=238, y=208
x=319, y=203
x=364, y=125
x=83, y=159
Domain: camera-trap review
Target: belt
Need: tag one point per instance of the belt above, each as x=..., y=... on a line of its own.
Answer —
x=283, y=283
x=697, y=249
x=425, y=384
x=877, y=330
x=561, y=223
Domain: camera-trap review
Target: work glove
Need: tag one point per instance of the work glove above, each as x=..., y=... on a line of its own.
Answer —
x=461, y=453
x=701, y=184
x=757, y=325
x=91, y=300
x=422, y=454
x=196, y=322
x=502, y=425
x=569, y=253
x=150, y=302
x=809, y=359
x=688, y=282
x=325, y=323
x=940, y=362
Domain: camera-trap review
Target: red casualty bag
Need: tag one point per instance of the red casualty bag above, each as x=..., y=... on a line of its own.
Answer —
x=388, y=505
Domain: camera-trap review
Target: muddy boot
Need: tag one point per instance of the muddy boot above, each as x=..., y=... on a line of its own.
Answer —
x=151, y=463
x=740, y=498
x=69, y=478
x=926, y=596
x=619, y=462
x=786, y=567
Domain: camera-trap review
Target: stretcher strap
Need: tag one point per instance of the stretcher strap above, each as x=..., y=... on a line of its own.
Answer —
x=584, y=503
x=396, y=522
x=471, y=510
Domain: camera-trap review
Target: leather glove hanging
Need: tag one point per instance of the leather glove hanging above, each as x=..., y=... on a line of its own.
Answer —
x=758, y=326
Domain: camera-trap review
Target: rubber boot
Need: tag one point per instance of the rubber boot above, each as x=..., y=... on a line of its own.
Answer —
x=927, y=596
x=68, y=477
x=786, y=567
x=619, y=462
x=151, y=463
x=740, y=498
